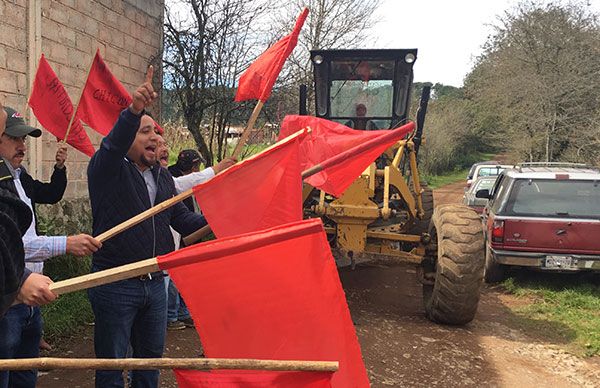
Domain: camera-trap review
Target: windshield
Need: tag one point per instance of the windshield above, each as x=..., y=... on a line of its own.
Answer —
x=362, y=89
x=490, y=171
x=554, y=198
x=483, y=184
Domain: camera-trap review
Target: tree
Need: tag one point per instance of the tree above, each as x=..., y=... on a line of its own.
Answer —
x=331, y=24
x=207, y=45
x=538, y=77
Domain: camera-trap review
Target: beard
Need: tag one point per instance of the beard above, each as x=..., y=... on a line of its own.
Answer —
x=146, y=162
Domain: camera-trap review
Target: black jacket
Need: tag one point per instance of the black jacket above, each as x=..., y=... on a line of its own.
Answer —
x=45, y=193
x=39, y=192
x=118, y=192
x=15, y=218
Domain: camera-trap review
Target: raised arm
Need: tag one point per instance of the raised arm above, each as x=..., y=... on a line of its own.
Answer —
x=114, y=147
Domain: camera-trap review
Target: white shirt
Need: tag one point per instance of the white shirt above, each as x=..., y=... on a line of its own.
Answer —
x=37, y=248
x=186, y=182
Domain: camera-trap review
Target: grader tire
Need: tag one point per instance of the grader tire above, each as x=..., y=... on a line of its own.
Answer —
x=421, y=226
x=458, y=263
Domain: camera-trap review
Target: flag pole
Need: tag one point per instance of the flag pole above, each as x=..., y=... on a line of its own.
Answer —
x=178, y=198
x=205, y=230
x=64, y=140
x=337, y=159
x=209, y=251
x=248, y=130
x=48, y=363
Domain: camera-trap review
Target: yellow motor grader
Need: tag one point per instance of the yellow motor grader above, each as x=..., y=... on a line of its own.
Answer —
x=388, y=214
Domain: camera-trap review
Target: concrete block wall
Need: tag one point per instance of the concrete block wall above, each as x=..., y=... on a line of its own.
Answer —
x=129, y=34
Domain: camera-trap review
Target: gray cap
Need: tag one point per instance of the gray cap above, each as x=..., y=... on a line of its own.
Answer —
x=16, y=127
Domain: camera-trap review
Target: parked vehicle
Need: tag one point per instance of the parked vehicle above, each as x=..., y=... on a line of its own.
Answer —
x=543, y=215
x=472, y=169
x=469, y=199
x=483, y=170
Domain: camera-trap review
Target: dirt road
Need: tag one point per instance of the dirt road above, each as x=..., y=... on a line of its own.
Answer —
x=401, y=348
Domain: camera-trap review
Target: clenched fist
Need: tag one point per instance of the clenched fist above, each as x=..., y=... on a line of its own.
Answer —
x=224, y=164
x=61, y=155
x=82, y=245
x=35, y=290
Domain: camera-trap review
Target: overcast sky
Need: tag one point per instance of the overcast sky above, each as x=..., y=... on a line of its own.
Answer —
x=448, y=33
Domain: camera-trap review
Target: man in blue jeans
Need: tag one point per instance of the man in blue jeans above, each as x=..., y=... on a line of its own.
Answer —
x=22, y=324
x=124, y=179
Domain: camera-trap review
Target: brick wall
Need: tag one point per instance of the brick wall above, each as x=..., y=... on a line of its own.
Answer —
x=68, y=32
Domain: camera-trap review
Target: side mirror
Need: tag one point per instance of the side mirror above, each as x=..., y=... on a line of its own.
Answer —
x=485, y=193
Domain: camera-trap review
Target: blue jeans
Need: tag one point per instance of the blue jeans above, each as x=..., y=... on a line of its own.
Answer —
x=176, y=308
x=129, y=312
x=20, y=333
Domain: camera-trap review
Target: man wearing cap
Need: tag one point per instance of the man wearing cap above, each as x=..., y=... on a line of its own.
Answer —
x=15, y=217
x=21, y=327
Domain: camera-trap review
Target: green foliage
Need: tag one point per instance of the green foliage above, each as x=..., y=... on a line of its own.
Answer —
x=65, y=315
x=564, y=307
x=69, y=311
x=436, y=181
x=535, y=90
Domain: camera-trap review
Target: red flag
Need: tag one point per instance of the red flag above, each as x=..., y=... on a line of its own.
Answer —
x=273, y=294
x=103, y=98
x=330, y=141
x=246, y=379
x=258, y=193
x=53, y=108
x=257, y=81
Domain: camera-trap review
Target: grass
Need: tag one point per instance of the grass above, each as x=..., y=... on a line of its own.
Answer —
x=564, y=308
x=436, y=181
x=458, y=174
x=65, y=315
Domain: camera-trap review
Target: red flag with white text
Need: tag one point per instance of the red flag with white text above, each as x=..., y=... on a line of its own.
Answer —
x=330, y=141
x=258, y=80
x=53, y=108
x=103, y=98
x=273, y=294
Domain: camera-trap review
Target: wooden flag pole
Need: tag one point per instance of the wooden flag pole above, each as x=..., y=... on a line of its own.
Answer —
x=205, y=230
x=248, y=130
x=148, y=266
x=337, y=159
x=144, y=215
x=178, y=198
x=64, y=140
x=47, y=363
x=110, y=275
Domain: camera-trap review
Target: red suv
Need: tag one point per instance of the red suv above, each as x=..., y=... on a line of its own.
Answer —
x=543, y=215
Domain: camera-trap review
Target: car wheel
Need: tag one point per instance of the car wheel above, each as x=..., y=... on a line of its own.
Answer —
x=493, y=272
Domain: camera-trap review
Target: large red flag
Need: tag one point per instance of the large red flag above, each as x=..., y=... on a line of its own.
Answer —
x=247, y=379
x=257, y=81
x=258, y=193
x=273, y=294
x=103, y=98
x=331, y=141
x=53, y=108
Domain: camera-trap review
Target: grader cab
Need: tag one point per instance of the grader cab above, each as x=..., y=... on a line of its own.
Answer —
x=387, y=214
